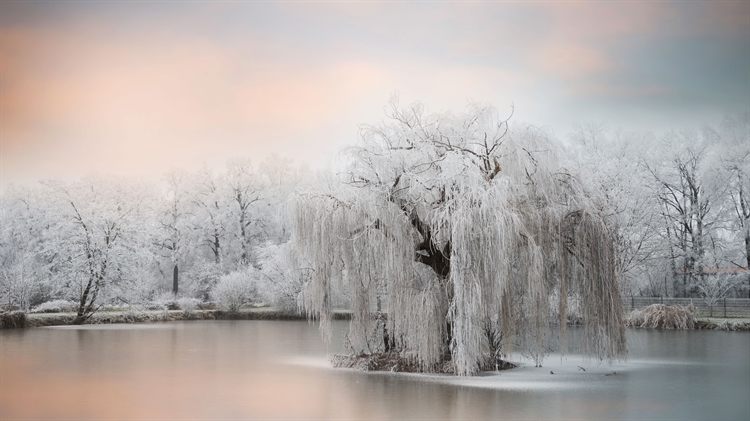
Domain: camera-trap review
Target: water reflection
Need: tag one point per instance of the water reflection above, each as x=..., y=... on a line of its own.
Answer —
x=278, y=370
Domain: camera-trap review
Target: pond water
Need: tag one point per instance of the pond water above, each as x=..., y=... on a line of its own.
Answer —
x=207, y=370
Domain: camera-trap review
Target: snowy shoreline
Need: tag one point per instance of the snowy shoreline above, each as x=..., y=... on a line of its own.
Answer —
x=22, y=320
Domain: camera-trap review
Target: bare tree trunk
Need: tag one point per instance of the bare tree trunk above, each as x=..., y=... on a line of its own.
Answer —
x=82, y=305
x=243, y=238
x=175, y=280
x=216, y=248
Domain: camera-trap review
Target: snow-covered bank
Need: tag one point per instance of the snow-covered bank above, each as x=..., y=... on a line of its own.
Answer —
x=21, y=320
x=17, y=319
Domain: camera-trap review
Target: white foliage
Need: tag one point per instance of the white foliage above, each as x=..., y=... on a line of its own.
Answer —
x=281, y=275
x=24, y=267
x=188, y=304
x=98, y=234
x=164, y=301
x=714, y=287
x=235, y=289
x=202, y=279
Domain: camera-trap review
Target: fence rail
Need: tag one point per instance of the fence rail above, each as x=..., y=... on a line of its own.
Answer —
x=722, y=307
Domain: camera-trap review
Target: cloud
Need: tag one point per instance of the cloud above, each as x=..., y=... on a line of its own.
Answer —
x=154, y=100
x=603, y=21
x=570, y=60
x=136, y=88
x=620, y=92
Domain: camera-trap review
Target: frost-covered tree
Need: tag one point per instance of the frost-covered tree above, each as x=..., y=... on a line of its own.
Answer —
x=612, y=161
x=281, y=275
x=24, y=267
x=210, y=213
x=175, y=240
x=734, y=142
x=465, y=231
x=732, y=139
x=280, y=177
x=96, y=238
x=691, y=190
x=245, y=193
x=715, y=286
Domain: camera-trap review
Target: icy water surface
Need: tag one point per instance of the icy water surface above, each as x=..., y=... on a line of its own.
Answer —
x=278, y=370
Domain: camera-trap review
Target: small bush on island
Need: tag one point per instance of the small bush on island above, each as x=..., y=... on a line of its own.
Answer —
x=662, y=316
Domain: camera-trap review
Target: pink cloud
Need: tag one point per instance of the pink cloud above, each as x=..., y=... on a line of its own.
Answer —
x=149, y=102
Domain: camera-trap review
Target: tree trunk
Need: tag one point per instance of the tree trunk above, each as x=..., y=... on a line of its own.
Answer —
x=175, y=279
x=82, y=306
x=216, y=248
x=747, y=248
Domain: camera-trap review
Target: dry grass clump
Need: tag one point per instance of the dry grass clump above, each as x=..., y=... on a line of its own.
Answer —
x=662, y=316
x=12, y=319
x=51, y=320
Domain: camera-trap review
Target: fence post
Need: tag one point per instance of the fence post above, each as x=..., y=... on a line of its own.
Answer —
x=632, y=303
x=725, y=307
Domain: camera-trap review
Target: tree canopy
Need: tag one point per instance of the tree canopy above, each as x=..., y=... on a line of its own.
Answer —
x=473, y=236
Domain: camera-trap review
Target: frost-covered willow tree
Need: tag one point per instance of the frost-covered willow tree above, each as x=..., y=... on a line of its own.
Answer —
x=475, y=237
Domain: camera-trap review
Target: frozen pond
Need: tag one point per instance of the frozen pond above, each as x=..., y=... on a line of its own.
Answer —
x=278, y=370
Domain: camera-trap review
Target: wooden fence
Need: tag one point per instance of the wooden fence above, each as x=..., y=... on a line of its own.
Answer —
x=723, y=307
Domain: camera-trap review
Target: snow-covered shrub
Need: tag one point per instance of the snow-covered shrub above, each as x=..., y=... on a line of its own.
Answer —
x=235, y=289
x=202, y=278
x=188, y=304
x=164, y=301
x=55, y=306
x=115, y=307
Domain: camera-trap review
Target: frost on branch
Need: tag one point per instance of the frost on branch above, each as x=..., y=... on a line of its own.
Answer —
x=460, y=230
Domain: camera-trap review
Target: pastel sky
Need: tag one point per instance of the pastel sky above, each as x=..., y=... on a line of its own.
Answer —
x=141, y=87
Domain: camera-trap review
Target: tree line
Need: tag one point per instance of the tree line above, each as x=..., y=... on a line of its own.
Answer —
x=105, y=240
x=679, y=203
